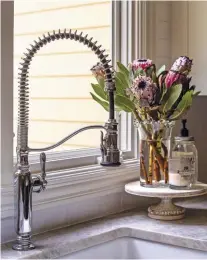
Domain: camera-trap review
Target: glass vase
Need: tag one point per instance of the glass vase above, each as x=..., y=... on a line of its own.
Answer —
x=154, y=151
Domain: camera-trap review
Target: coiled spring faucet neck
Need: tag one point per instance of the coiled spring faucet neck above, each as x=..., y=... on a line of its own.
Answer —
x=24, y=182
x=23, y=106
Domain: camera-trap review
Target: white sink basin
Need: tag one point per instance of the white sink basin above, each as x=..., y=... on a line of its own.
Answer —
x=132, y=248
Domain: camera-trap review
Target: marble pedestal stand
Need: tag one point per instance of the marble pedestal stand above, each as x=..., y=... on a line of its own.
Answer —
x=165, y=210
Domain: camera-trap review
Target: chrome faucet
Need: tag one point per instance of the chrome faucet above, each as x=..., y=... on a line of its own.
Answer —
x=24, y=182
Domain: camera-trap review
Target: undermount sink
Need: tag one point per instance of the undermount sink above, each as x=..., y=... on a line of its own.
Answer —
x=133, y=248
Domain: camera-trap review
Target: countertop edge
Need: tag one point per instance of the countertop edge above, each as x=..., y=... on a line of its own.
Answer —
x=134, y=224
x=118, y=233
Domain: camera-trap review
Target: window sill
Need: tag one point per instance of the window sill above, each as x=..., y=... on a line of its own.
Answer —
x=62, y=160
x=70, y=184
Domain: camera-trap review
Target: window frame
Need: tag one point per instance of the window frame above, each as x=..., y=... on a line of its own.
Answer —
x=129, y=29
x=73, y=158
x=127, y=18
x=7, y=17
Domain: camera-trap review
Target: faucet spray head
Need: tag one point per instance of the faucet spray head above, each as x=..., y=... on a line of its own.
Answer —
x=109, y=150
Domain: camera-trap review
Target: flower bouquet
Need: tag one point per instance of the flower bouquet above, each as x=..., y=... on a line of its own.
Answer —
x=157, y=98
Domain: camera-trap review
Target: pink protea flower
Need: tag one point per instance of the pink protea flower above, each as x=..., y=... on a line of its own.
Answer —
x=179, y=71
x=141, y=64
x=98, y=71
x=145, y=91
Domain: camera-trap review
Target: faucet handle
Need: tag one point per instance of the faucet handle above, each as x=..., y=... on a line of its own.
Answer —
x=102, y=145
x=42, y=164
x=43, y=172
x=39, y=181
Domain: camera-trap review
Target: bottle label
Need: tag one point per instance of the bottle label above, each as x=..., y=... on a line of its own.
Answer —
x=183, y=165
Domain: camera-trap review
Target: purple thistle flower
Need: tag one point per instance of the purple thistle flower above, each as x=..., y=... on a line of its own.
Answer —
x=141, y=64
x=179, y=71
x=145, y=91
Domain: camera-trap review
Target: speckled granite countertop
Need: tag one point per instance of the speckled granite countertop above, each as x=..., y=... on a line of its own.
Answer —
x=190, y=232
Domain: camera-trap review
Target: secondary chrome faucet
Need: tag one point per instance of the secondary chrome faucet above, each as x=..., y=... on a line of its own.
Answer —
x=24, y=182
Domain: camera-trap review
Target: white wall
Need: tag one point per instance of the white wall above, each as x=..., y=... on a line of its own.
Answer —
x=159, y=33
x=179, y=28
x=189, y=37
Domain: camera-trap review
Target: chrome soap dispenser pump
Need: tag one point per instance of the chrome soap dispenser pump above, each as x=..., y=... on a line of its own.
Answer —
x=183, y=164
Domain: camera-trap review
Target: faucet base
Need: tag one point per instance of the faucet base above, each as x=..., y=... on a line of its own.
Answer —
x=23, y=244
x=110, y=164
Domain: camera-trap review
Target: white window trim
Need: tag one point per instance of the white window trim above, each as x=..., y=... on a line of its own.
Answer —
x=129, y=43
x=6, y=92
x=72, y=184
x=82, y=157
x=126, y=13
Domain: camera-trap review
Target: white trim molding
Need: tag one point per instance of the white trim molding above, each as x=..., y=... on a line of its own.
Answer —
x=6, y=92
x=128, y=43
x=74, y=183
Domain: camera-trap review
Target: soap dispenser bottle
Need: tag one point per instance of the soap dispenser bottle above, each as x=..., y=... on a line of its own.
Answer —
x=183, y=164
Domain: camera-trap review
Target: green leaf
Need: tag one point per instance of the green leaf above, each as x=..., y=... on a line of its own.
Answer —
x=162, y=69
x=139, y=72
x=118, y=109
x=123, y=69
x=173, y=94
x=121, y=107
x=131, y=76
x=104, y=104
x=196, y=93
x=123, y=73
x=101, y=83
x=183, y=106
x=164, y=91
x=99, y=91
x=122, y=78
x=150, y=70
x=120, y=87
x=154, y=78
x=125, y=103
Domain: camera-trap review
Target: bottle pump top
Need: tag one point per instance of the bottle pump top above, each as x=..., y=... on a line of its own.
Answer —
x=184, y=131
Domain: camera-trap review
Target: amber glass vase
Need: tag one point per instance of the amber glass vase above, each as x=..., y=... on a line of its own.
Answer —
x=154, y=152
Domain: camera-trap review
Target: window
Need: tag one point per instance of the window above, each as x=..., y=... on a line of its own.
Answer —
x=60, y=76
x=128, y=32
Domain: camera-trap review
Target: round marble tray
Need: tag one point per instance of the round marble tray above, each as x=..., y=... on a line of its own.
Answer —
x=165, y=210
